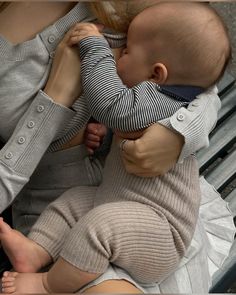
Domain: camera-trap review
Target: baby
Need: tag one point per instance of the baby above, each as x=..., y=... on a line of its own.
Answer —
x=143, y=225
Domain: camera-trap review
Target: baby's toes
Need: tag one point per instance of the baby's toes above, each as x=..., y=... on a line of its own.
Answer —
x=8, y=290
x=8, y=284
x=9, y=274
x=8, y=279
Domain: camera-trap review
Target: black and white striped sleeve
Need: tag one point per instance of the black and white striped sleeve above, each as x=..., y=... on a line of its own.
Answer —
x=110, y=101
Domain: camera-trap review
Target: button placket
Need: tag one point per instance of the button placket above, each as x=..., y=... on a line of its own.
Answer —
x=51, y=39
x=52, y=54
x=8, y=156
x=180, y=117
x=30, y=124
x=40, y=108
x=21, y=140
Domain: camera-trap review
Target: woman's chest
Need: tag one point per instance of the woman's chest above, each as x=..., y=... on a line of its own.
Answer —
x=20, y=80
x=21, y=21
x=25, y=57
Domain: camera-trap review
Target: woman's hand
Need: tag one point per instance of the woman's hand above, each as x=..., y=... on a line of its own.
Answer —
x=152, y=154
x=64, y=84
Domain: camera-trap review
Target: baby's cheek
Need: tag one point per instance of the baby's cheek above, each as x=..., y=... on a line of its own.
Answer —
x=119, y=68
x=123, y=67
x=117, y=52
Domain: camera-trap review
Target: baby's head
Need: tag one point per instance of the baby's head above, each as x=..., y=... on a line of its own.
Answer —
x=181, y=43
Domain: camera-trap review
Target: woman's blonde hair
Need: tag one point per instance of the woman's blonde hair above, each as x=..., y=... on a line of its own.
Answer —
x=118, y=14
x=3, y=5
x=114, y=14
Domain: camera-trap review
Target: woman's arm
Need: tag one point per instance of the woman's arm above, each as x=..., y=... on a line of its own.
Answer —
x=159, y=148
x=39, y=125
x=31, y=138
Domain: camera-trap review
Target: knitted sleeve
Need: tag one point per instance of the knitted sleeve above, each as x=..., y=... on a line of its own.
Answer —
x=31, y=138
x=195, y=122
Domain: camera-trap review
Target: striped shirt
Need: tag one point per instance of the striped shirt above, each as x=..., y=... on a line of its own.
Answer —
x=114, y=104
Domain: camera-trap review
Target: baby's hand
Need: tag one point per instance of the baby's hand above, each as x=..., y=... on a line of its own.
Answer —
x=83, y=30
x=93, y=136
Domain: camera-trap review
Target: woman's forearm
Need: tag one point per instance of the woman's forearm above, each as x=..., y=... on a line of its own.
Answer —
x=159, y=148
x=28, y=143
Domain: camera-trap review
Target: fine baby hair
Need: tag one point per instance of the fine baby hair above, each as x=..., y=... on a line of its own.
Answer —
x=196, y=32
x=193, y=43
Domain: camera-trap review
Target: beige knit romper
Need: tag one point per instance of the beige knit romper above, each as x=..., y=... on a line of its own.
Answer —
x=142, y=225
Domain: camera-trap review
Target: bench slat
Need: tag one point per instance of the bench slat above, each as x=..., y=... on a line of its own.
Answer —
x=228, y=103
x=226, y=81
x=226, y=276
x=231, y=199
x=223, y=173
x=221, y=139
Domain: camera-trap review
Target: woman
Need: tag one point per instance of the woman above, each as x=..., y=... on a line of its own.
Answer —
x=34, y=118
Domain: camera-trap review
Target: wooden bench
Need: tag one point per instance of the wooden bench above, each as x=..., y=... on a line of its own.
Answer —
x=218, y=165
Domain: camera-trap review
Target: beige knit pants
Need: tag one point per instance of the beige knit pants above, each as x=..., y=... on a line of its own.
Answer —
x=128, y=234
x=91, y=227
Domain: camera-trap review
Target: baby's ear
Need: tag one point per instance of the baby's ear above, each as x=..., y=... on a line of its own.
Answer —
x=159, y=73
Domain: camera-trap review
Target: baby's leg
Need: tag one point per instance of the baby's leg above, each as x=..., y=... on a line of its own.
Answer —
x=48, y=234
x=24, y=254
x=18, y=283
x=63, y=277
x=128, y=234
x=54, y=224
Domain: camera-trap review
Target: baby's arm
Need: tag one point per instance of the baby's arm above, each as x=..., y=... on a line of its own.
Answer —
x=109, y=100
x=199, y=119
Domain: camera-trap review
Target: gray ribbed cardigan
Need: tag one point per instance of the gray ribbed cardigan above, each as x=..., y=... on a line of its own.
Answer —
x=23, y=72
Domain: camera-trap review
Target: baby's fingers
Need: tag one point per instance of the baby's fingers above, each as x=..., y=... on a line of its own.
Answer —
x=88, y=27
x=73, y=40
x=84, y=30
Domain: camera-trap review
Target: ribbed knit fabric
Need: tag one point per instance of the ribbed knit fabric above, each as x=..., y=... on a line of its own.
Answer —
x=143, y=225
x=23, y=73
x=60, y=216
x=187, y=279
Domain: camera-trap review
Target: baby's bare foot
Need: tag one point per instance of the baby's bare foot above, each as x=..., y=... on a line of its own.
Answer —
x=8, y=282
x=24, y=283
x=24, y=254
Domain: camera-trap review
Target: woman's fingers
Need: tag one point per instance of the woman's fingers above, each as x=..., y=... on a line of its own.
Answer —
x=134, y=160
x=153, y=153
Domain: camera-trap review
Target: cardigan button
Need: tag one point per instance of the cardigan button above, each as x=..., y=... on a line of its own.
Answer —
x=9, y=155
x=51, y=39
x=40, y=108
x=21, y=140
x=30, y=124
x=180, y=117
